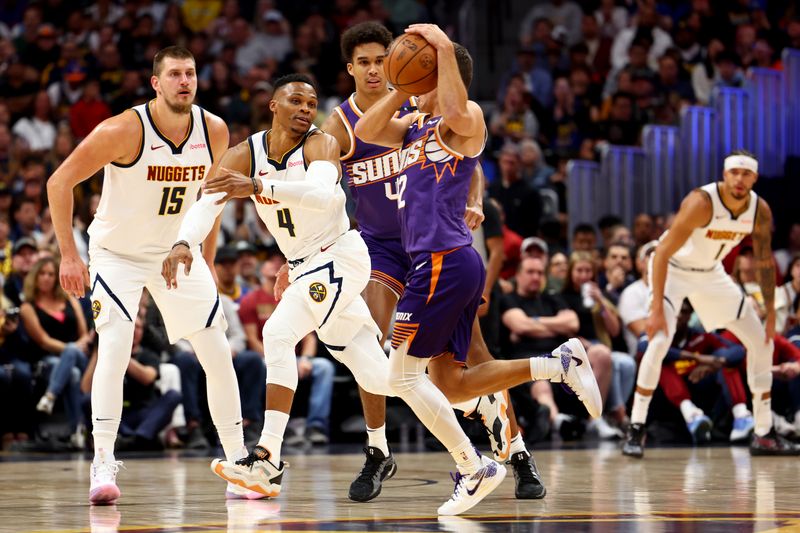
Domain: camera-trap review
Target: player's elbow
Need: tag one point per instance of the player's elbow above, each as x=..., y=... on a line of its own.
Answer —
x=460, y=121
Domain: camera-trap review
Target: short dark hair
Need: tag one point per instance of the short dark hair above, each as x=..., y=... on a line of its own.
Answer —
x=743, y=152
x=464, y=61
x=608, y=221
x=584, y=227
x=617, y=244
x=292, y=78
x=366, y=32
x=175, y=52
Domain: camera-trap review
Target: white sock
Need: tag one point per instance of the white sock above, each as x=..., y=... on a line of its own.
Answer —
x=762, y=413
x=104, y=455
x=466, y=458
x=740, y=411
x=517, y=444
x=469, y=406
x=272, y=434
x=689, y=410
x=377, y=439
x=641, y=404
x=545, y=367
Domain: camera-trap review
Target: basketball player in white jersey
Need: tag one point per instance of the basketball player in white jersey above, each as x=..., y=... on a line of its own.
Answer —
x=292, y=174
x=687, y=263
x=155, y=157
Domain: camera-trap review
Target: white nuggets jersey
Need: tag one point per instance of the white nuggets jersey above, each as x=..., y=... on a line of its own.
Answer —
x=299, y=232
x=708, y=246
x=143, y=203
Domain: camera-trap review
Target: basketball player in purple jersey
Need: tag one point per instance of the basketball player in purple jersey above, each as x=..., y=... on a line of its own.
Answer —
x=437, y=309
x=370, y=171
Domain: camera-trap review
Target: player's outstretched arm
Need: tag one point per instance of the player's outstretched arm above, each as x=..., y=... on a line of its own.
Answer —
x=115, y=139
x=318, y=191
x=377, y=126
x=220, y=139
x=695, y=211
x=765, y=266
x=202, y=216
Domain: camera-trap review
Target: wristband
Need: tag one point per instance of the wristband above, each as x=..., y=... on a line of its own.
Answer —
x=255, y=187
x=186, y=244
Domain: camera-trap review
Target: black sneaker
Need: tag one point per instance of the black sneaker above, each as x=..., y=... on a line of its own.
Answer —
x=528, y=482
x=377, y=468
x=772, y=444
x=634, y=441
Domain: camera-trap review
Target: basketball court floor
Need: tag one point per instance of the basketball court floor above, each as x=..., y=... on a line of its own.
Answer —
x=597, y=490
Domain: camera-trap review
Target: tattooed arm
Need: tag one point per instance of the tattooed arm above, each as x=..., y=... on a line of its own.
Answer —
x=765, y=266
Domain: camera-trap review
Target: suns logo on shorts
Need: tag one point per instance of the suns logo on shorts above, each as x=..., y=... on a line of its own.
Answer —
x=318, y=292
x=96, y=308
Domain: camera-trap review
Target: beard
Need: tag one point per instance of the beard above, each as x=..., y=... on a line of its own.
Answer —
x=178, y=109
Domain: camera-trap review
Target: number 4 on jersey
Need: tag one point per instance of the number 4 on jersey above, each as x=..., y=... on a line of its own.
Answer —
x=285, y=221
x=400, y=188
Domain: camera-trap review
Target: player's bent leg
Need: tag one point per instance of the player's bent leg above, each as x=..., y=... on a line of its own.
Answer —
x=364, y=357
x=477, y=477
x=115, y=339
x=759, y=378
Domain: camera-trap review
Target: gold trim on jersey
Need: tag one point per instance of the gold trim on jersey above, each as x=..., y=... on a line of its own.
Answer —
x=175, y=147
x=141, y=144
x=265, y=141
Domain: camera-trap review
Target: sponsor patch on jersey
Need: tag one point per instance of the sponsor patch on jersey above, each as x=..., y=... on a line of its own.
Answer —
x=196, y=146
x=96, y=308
x=294, y=163
x=318, y=292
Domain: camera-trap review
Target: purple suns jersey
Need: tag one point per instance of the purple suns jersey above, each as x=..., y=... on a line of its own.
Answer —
x=432, y=190
x=370, y=171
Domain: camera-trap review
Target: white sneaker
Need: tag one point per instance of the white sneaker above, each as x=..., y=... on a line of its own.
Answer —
x=605, y=431
x=235, y=492
x=782, y=426
x=103, y=489
x=493, y=412
x=742, y=428
x=578, y=375
x=46, y=404
x=255, y=472
x=471, y=489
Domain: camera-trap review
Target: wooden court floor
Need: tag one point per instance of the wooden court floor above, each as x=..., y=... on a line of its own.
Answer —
x=597, y=490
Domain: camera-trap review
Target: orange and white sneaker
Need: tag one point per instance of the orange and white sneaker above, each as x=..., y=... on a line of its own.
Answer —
x=103, y=489
x=254, y=472
x=493, y=412
x=235, y=492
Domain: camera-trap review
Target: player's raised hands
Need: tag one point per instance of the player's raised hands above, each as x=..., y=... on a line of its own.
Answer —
x=431, y=33
x=232, y=183
x=180, y=253
x=74, y=276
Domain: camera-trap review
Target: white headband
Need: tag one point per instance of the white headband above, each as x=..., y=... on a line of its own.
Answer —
x=741, y=161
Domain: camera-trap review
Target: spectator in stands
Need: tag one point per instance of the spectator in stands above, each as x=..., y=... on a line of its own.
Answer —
x=643, y=229
x=564, y=13
x=786, y=298
x=514, y=121
x=676, y=91
x=226, y=264
x=89, y=111
x=784, y=255
x=611, y=18
x=59, y=337
x=730, y=75
x=520, y=202
x=634, y=302
x=557, y=271
x=617, y=270
x=584, y=238
x=26, y=219
x=37, y=130
x=598, y=44
x=705, y=73
x=67, y=91
x=599, y=323
x=254, y=311
x=644, y=28
x=570, y=120
x=16, y=379
x=25, y=254
x=17, y=90
x=535, y=171
x=248, y=265
x=536, y=79
x=621, y=128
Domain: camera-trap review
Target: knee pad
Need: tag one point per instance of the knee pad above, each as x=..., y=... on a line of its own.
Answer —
x=279, y=355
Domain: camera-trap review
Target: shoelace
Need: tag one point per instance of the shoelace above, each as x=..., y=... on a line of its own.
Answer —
x=370, y=468
x=248, y=461
x=524, y=469
x=456, y=477
x=113, y=467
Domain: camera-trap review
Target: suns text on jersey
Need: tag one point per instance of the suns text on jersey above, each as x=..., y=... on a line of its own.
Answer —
x=172, y=173
x=376, y=168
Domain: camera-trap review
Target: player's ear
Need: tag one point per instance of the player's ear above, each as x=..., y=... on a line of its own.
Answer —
x=350, y=68
x=273, y=105
x=154, y=83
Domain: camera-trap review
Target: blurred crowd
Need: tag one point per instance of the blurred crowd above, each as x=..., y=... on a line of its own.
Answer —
x=584, y=74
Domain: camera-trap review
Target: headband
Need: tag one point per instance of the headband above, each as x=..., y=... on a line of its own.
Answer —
x=741, y=161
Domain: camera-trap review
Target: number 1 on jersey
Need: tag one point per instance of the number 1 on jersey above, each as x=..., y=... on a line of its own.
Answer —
x=400, y=188
x=285, y=221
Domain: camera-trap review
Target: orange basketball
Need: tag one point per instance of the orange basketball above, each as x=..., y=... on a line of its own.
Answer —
x=411, y=64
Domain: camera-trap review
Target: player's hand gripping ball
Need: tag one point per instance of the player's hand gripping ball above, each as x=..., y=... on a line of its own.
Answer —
x=411, y=64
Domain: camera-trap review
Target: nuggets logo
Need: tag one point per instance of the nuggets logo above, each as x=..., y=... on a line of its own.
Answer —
x=722, y=235
x=96, y=308
x=318, y=292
